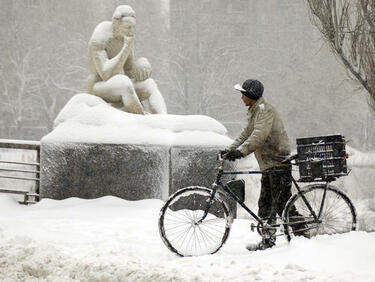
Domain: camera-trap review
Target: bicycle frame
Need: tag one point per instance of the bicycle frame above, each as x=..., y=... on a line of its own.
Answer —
x=219, y=185
x=196, y=220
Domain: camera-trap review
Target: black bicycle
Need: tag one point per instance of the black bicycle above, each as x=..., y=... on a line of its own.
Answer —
x=196, y=220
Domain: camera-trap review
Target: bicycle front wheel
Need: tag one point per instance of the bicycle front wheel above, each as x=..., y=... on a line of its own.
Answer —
x=335, y=212
x=180, y=224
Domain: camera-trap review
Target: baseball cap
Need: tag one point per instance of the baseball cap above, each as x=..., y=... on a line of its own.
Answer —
x=251, y=88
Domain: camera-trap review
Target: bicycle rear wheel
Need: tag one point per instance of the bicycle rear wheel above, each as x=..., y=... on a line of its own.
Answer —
x=337, y=213
x=179, y=224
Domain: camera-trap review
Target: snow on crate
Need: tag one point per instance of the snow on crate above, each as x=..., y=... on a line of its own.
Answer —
x=88, y=119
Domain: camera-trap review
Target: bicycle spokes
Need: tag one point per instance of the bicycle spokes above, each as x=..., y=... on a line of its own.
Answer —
x=188, y=228
x=336, y=213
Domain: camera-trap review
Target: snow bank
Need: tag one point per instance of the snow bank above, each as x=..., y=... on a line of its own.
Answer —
x=88, y=119
x=110, y=239
x=358, y=159
x=359, y=184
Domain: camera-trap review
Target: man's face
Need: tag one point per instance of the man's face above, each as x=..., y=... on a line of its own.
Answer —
x=127, y=26
x=247, y=101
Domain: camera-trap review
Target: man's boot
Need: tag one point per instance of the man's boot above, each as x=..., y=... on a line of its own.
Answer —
x=266, y=243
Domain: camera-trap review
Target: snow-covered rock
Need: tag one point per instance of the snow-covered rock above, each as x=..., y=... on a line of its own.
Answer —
x=89, y=119
x=97, y=150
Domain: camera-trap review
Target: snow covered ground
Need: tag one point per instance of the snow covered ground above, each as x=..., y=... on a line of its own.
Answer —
x=110, y=239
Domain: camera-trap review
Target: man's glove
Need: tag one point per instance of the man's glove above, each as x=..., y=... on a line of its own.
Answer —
x=223, y=152
x=233, y=155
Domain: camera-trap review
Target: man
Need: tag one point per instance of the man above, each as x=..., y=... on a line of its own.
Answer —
x=114, y=75
x=265, y=136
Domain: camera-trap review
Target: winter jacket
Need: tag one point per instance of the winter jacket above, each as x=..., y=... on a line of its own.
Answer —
x=265, y=135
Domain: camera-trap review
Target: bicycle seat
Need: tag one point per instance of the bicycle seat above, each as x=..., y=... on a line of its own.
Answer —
x=289, y=159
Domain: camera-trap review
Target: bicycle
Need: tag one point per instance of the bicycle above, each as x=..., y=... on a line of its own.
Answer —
x=196, y=220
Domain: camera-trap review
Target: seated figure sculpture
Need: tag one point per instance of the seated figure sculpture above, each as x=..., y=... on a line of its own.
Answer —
x=114, y=74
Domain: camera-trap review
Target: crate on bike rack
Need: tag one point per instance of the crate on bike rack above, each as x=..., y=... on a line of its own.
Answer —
x=321, y=158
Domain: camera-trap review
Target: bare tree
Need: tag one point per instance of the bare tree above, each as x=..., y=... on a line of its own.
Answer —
x=196, y=88
x=201, y=54
x=348, y=26
x=59, y=81
x=16, y=77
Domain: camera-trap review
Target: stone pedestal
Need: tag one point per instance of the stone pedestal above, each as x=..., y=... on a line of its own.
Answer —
x=131, y=172
x=196, y=166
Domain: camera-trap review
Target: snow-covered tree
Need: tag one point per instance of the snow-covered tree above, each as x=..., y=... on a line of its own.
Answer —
x=16, y=79
x=348, y=26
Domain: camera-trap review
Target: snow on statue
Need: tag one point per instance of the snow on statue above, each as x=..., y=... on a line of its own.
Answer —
x=115, y=75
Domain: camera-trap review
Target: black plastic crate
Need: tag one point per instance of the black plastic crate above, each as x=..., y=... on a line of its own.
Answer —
x=321, y=158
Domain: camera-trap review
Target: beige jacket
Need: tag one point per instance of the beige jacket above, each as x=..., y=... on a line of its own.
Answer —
x=265, y=135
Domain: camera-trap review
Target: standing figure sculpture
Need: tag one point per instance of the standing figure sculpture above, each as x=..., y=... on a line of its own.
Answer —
x=115, y=75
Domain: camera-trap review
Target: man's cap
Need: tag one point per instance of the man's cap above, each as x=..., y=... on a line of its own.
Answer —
x=251, y=88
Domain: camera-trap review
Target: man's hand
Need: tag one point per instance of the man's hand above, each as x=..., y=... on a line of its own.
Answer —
x=223, y=152
x=142, y=69
x=233, y=155
x=143, y=74
x=129, y=41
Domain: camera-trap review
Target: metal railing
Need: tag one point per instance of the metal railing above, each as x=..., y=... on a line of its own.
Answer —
x=30, y=197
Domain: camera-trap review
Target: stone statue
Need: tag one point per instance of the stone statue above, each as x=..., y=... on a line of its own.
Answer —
x=115, y=75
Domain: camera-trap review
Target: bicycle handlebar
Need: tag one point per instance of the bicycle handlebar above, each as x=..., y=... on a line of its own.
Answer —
x=289, y=159
x=220, y=157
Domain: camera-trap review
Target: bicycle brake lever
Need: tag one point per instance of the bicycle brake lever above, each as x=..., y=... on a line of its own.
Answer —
x=252, y=227
x=219, y=157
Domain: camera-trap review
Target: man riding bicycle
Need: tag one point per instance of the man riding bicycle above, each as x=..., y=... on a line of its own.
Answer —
x=265, y=136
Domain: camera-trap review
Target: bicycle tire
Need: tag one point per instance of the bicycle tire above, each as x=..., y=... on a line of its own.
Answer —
x=178, y=225
x=338, y=213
